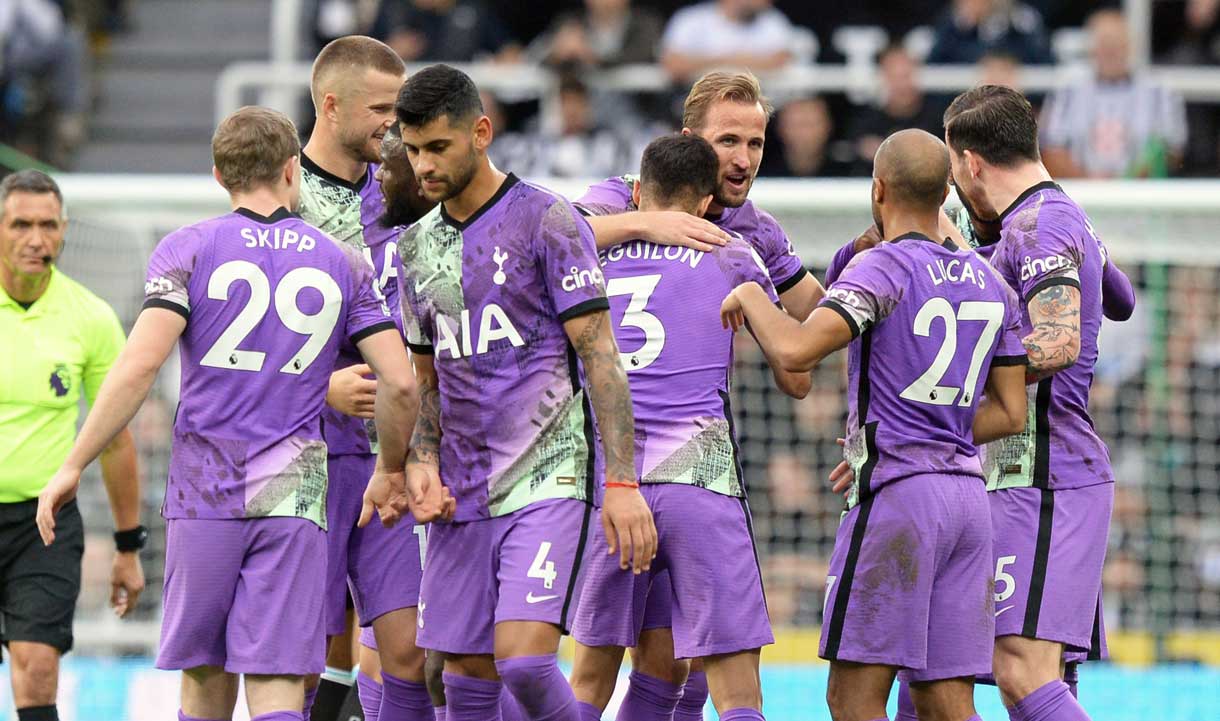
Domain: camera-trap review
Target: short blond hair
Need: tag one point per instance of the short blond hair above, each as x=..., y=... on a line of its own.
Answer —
x=250, y=147
x=350, y=54
x=716, y=87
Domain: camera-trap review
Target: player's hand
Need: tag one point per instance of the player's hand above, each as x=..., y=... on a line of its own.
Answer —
x=842, y=476
x=427, y=498
x=732, y=315
x=674, y=227
x=351, y=393
x=126, y=582
x=867, y=239
x=59, y=491
x=627, y=522
x=386, y=494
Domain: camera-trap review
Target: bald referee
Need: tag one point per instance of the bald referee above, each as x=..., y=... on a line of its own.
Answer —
x=59, y=340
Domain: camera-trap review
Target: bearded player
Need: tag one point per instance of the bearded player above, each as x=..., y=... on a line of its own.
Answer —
x=506, y=314
x=354, y=83
x=729, y=111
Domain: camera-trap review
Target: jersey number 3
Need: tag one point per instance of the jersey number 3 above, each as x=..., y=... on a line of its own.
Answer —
x=927, y=388
x=640, y=288
x=224, y=353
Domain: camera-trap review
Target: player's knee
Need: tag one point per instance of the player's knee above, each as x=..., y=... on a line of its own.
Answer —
x=404, y=660
x=434, y=677
x=839, y=699
x=1020, y=668
x=593, y=684
x=35, y=677
x=667, y=669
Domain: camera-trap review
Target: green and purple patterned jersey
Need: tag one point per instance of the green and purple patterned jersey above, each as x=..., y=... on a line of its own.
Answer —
x=267, y=302
x=351, y=213
x=488, y=299
x=665, y=303
x=1047, y=240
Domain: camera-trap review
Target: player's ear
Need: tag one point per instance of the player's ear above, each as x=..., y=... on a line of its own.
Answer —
x=330, y=103
x=878, y=191
x=635, y=193
x=704, y=204
x=483, y=133
x=974, y=163
x=687, y=131
x=220, y=181
x=291, y=170
x=945, y=195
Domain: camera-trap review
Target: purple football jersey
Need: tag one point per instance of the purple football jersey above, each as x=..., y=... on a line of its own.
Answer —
x=488, y=298
x=760, y=230
x=351, y=213
x=930, y=320
x=267, y=301
x=665, y=303
x=1047, y=240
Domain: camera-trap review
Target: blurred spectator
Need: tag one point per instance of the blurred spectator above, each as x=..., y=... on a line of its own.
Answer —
x=444, y=31
x=738, y=33
x=510, y=151
x=804, y=130
x=574, y=142
x=970, y=28
x=1192, y=32
x=1196, y=34
x=605, y=33
x=43, y=64
x=902, y=105
x=337, y=18
x=1115, y=123
x=1000, y=68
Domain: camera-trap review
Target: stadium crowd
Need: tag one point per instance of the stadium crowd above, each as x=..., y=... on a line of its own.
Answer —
x=52, y=54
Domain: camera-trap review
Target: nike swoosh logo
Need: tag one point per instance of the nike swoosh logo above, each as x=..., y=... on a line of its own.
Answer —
x=1002, y=610
x=422, y=283
x=531, y=598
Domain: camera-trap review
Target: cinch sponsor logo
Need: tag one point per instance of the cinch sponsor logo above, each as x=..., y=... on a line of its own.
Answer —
x=277, y=239
x=455, y=336
x=845, y=296
x=158, y=285
x=577, y=278
x=1033, y=268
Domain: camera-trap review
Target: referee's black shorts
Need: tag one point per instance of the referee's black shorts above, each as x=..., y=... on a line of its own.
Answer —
x=39, y=584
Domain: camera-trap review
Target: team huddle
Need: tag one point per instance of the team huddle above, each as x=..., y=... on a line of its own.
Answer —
x=556, y=452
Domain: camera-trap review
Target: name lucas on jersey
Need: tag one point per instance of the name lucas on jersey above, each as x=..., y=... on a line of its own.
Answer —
x=955, y=271
x=277, y=239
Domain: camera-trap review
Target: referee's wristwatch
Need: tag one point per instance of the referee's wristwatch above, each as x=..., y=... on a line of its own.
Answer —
x=131, y=540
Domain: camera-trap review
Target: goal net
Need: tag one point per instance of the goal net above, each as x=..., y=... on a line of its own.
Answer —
x=1155, y=401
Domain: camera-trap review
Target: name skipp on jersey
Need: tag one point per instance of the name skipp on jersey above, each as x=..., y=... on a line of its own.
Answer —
x=277, y=239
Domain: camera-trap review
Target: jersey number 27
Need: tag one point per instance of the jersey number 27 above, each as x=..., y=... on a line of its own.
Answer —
x=927, y=388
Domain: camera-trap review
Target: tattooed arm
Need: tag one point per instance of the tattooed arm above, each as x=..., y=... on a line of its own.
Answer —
x=392, y=491
x=625, y=515
x=426, y=438
x=1054, y=343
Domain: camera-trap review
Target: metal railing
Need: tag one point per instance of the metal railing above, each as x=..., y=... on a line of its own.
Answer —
x=279, y=84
